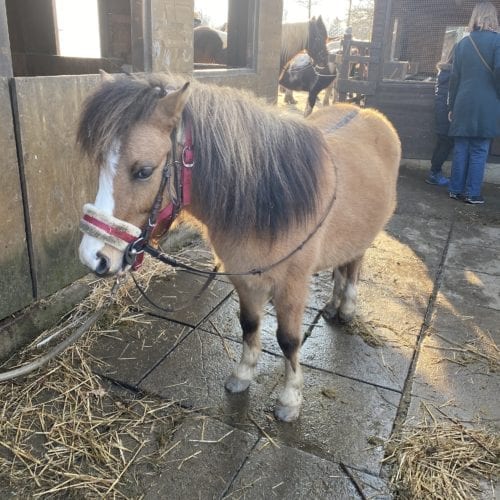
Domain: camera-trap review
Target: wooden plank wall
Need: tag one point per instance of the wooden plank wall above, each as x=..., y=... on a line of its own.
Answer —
x=15, y=278
x=410, y=107
x=58, y=180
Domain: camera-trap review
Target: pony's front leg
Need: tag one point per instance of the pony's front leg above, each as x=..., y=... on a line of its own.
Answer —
x=251, y=304
x=290, y=304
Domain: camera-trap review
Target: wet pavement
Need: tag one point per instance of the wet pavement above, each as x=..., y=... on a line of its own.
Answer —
x=428, y=311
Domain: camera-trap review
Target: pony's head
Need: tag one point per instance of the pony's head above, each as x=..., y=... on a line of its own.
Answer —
x=316, y=45
x=125, y=129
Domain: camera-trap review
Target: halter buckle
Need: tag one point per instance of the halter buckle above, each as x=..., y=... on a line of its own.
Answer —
x=134, y=253
x=187, y=157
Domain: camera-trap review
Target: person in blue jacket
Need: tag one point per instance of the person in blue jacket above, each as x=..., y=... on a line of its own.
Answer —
x=444, y=143
x=474, y=102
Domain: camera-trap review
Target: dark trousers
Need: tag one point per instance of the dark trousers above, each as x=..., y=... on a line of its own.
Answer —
x=443, y=148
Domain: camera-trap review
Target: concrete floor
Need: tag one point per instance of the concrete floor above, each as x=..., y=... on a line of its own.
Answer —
x=430, y=284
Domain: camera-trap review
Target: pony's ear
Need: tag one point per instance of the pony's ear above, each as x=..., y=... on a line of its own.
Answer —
x=173, y=103
x=105, y=77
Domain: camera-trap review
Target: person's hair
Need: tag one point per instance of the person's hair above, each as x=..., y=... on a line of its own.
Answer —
x=484, y=17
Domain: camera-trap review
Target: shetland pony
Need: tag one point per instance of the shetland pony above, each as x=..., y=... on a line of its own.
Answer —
x=306, y=74
x=267, y=187
x=309, y=37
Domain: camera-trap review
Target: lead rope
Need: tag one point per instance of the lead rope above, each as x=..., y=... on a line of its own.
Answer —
x=85, y=327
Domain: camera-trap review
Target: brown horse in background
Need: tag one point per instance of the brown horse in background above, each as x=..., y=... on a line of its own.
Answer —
x=209, y=45
x=272, y=191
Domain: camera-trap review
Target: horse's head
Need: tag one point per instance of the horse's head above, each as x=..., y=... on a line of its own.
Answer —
x=125, y=129
x=316, y=45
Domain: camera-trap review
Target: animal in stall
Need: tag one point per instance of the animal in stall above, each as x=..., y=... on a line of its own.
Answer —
x=310, y=70
x=301, y=73
x=297, y=37
x=210, y=45
x=279, y=197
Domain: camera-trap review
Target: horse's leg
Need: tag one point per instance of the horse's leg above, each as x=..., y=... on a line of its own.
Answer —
x=343, y=300
x=311, y=100
x=251, y=304
x=289, y=302
x=289, y=97
x=348, y=303
x=339, y=282
x=328, y=93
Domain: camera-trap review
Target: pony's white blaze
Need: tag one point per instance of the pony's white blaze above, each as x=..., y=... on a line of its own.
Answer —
x=90, y=246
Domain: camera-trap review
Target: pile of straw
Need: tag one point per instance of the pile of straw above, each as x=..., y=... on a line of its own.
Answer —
x=442, y=460
x=65, y=431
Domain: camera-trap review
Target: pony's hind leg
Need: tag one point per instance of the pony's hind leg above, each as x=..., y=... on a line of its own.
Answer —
x=289, y=99
x=333, y=305
x=289, y=305
x=344, y=296
x=251, y=304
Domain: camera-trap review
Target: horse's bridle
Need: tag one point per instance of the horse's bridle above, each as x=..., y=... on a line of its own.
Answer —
x=160, y=220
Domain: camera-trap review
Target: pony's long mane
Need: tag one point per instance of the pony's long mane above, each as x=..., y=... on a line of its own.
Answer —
x=256, y=170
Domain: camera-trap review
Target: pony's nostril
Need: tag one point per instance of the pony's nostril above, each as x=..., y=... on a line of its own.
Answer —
x=103, y=265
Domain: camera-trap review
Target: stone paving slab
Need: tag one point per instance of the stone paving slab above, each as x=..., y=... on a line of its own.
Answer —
x=133, y=348
x=287, y=473
x=466, y=391
x=178, y=289
x=461, y=286
x=457, y=368
x=476, y=234
x=426, y=237
x=330, y=348
x=454, y=318
x=483, y=259
x=204, y=457
x=195, y=372
x=373, y=487
x=407, y=274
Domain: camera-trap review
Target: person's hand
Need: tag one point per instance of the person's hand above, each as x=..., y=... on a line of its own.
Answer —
x=449, y=116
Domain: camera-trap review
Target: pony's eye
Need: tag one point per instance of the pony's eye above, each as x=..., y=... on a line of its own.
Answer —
x=143, y=173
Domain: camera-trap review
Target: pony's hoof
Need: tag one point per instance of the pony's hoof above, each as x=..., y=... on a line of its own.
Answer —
x=235, y=384
x=329, y=313
x=287, y=413
x=345, y=318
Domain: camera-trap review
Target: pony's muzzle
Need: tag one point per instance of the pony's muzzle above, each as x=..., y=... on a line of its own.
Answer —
x=105, y=240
